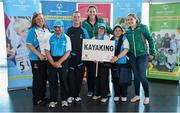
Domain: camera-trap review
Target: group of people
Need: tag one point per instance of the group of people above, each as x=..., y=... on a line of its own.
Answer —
x=167, y=47
x=60, y=54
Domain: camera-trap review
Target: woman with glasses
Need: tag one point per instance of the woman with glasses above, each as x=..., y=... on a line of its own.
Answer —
x=91, y=25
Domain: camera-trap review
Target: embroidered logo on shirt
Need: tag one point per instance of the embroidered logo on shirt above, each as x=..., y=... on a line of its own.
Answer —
x=35, y=66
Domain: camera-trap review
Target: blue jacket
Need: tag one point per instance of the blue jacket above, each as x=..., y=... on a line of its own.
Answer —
x=122, y=60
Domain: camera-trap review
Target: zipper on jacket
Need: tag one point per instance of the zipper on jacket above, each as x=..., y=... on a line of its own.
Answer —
x=134, y=43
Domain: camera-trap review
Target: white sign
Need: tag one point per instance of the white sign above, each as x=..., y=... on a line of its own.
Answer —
x=98, y=50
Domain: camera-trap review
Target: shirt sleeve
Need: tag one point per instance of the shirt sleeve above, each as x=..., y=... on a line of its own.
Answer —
x=31, y=35
x=126, y=44
x=106, y=37
x=68, y=32
x=86, y=35
x=150, y=39
x=68, y=44
x=109, y=30
x=94, y=38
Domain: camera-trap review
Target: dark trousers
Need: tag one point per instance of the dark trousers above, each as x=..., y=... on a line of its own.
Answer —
x=56, y=74
x=123, y=90
x=75, y=78
x=119, y=89
x=91, y=77
x=102, y=81
x=116, y=85
x=39, y=71
x=139, y=68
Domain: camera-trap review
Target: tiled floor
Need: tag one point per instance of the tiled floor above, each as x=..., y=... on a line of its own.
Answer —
x=165, y=97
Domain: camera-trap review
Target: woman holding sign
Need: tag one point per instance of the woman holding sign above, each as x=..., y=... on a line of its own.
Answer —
x=102, y=82
x=121, y=72
x=91, y=25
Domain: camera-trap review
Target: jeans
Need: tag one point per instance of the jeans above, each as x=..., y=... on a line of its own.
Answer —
x=139, y=67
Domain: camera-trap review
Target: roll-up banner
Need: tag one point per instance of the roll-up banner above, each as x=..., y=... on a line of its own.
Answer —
x=165, y=26
x=18, y=15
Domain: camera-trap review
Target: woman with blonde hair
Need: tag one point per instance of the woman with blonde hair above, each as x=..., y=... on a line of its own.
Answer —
x=37, y=39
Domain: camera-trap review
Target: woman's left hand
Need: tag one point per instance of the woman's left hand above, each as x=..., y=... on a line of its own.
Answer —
x=150, y=58
x=114, y=59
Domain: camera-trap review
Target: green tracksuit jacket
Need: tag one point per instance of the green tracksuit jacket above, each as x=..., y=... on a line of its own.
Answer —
x=93, y=31
x=137, y=47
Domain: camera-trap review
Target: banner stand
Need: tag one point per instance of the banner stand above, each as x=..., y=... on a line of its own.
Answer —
x=19, y=88
x=17, y=16
x=165, y=30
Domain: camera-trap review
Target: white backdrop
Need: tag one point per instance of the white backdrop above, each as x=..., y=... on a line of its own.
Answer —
x=3, y=62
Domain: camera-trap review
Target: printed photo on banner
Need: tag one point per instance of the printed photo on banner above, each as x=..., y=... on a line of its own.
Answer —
x=167, y=47
x=17, y=52
x=97, y=50
x=164, y=24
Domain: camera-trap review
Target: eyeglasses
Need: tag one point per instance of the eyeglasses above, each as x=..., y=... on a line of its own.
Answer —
x=58, y=26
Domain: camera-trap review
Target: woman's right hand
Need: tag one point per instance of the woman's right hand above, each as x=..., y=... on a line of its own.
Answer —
x=42, y=57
